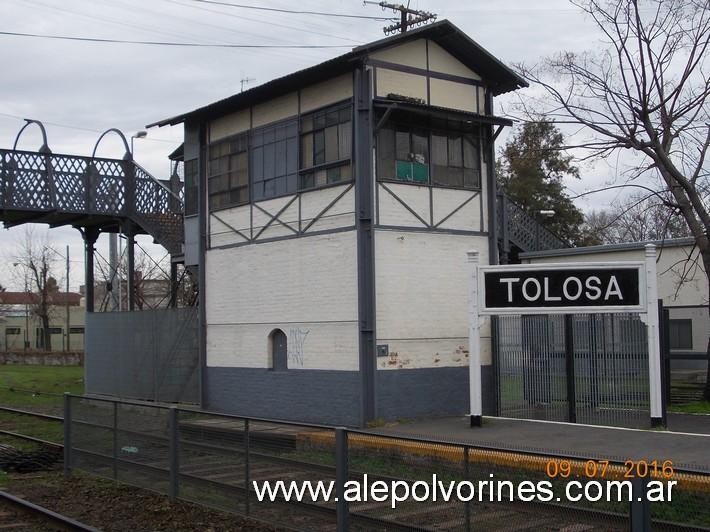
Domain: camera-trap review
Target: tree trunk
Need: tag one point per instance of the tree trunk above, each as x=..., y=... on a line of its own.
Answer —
x=45, y=333
x=706, y=392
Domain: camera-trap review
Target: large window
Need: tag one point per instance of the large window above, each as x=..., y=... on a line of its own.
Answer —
x=228, y=180
x=455, y=160
x=326, y=145
x=191, y=187
x=274, y=160
x=429, y=157
x=403, y=154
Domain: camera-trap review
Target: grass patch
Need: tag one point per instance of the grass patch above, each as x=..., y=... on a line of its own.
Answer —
x=46, y=384
x=696, y=407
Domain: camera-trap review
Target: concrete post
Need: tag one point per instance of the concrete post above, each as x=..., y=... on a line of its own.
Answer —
x=474, y=343
x=652, y=327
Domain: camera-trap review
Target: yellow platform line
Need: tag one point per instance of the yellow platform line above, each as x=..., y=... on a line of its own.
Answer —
x=522, y=460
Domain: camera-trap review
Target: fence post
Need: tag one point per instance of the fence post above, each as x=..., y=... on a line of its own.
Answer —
x=664, y=337
x=341, y=477
x=640, y=511
x=569, y=365
x=247, y=472
x=115, y=440
x=67, y=434
x=173, y=453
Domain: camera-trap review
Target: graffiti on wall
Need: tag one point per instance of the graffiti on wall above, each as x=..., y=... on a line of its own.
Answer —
x=296, y=341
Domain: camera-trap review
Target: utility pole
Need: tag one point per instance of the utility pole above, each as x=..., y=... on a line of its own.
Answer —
x=67, y=301
x=407, y=17
x=245, y=81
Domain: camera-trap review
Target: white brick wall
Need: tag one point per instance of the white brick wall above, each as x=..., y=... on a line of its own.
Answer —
x=305, y=286
x=422, y=283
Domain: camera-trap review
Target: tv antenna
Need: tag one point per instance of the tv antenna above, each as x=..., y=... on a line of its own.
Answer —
x=408, y=18
x=245, y=81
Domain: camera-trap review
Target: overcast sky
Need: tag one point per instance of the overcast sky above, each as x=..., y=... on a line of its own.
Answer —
x=79, y=89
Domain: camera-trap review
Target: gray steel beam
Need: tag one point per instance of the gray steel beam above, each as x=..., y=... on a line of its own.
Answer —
x=364, y=205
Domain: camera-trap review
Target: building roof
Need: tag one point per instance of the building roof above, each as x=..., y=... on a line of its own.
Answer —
x=500, y=78
x=607, y=248
x=29, y=298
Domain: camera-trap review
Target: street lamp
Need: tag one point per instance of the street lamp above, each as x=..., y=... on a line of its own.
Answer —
x=27, y=310
x=138, y=135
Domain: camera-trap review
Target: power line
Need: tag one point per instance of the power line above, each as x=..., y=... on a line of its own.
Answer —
x=78, y=128
x=292, y=11
x=177, y=44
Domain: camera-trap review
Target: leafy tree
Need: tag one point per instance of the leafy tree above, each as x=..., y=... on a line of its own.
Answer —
x=530, y=169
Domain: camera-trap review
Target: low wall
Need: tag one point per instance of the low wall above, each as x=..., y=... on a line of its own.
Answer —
x=39, y=358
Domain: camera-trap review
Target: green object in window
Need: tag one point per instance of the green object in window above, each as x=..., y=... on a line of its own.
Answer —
x=420, y=172
x=404, y=171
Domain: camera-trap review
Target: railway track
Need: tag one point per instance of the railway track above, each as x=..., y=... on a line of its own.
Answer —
x=19, y=515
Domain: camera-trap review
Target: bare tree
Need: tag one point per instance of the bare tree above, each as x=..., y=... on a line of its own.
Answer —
x=36, y=258
x=637, y=218
x=645, y=92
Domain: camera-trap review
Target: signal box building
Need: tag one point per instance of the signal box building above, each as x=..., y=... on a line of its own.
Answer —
x=329, y=213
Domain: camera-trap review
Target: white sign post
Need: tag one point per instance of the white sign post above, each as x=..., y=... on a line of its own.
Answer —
x=569, y=288
x=474, y=344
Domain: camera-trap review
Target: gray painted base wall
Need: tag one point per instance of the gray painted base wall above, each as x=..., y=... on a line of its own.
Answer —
x=333, y=397
x=311, y=396
x=429, y=392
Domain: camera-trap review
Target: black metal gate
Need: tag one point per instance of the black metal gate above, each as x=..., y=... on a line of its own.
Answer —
x=585, y=368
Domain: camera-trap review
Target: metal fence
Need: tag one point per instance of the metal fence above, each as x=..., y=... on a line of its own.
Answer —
x=147, y=355
x=581, y=368
x=686, y=331
x=212, y=459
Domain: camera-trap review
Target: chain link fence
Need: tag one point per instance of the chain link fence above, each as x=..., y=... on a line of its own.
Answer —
x=214, y=459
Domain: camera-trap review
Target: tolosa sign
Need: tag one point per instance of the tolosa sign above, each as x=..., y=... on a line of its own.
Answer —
x=562, y=288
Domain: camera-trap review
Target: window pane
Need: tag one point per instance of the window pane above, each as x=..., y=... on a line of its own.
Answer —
x=402, y=145
x=420, y=147
x=439, y=150
x=455, y=152
x=280, y=158
x=385, y=154
x=404, y=171
x=420, y=172
x=292, y=155
x=331, y=143
x=269, y=162
x=319, y=121
x=307, y=151
x=331, y=118
x=318, y=147
x=308, y=180
x=219, y=183
x=333, y=174
x=345, y=114
x=257, y=164
x=321, y=178
x=292, y=183
x=344, y=140
x=269, y=188
x=470, y=177
x=306, y=124
x=346, y=172
x=470, y=153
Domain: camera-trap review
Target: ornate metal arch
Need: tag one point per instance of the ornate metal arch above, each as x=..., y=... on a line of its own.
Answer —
x=44, y=150
x=127, y=157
